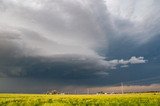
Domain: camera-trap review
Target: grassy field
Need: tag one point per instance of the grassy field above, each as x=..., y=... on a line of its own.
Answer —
x=146, y=99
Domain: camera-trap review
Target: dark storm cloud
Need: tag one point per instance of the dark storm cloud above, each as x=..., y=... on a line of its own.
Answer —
x=82, y=40
x=70, y=67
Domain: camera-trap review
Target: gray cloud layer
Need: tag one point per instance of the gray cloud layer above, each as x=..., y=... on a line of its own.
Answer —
x=45, y=38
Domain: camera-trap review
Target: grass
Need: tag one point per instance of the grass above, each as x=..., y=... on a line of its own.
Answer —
x=142, y=99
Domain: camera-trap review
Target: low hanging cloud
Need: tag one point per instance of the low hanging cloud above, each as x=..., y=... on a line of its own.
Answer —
x=61, y=67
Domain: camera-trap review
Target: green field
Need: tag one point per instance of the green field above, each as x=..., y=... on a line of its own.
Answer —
x=145, y=99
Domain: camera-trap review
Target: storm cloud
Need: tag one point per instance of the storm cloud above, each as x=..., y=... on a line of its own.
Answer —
x=75, y=39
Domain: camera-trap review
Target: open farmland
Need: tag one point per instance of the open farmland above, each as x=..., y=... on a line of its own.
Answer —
x=146, y=99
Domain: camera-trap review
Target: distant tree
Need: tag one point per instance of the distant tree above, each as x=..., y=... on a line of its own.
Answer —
x=101, y=92
x=53, y=92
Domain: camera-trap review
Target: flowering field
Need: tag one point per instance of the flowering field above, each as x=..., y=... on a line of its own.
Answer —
x=146, y=99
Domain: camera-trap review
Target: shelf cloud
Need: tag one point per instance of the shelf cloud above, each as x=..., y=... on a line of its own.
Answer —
x=75, y=39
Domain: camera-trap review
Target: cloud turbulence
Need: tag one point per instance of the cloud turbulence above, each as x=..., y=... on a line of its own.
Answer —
x=73, y=40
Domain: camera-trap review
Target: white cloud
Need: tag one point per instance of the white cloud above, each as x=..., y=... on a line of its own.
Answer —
x=125, y=63
x=124, y=66
x=138, y=60
x=133, y=60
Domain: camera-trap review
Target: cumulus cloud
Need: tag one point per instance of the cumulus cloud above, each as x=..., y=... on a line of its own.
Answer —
x=133, y=60
x=125, y=63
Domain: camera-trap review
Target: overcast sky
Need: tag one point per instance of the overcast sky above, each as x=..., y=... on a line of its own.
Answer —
x=55, y=43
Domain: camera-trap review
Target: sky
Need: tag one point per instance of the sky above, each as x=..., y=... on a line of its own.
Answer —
x=61, y=44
